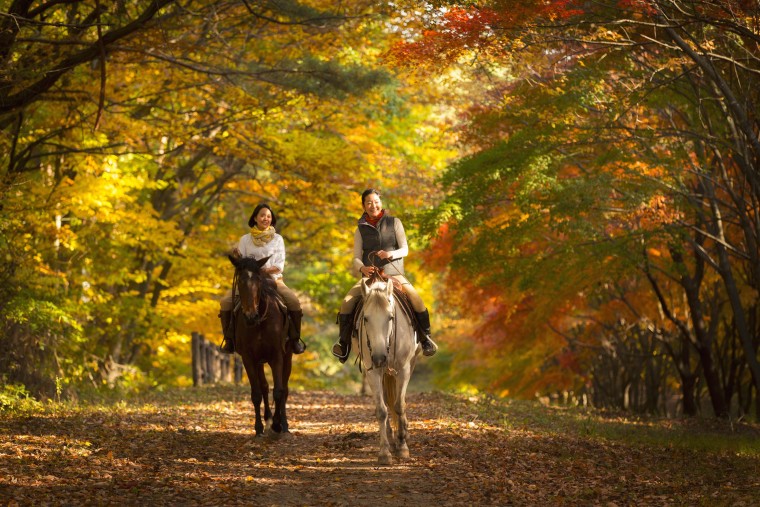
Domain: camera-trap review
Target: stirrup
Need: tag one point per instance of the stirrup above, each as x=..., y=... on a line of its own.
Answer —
x=341, y=358
x=429, y=347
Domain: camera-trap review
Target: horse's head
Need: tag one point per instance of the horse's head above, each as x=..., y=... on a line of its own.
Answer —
x=251, y=280
x=377, y=318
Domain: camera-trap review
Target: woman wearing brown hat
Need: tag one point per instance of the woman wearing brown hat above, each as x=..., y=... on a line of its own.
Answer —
x=263, y=241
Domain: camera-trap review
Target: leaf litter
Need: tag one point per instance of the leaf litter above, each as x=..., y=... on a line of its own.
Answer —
x=196, y=446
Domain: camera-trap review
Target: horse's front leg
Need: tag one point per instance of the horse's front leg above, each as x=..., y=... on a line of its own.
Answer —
x=389, y=393
x=281, y=406
x=264, y=385
x=277, y=395
x=256, y=395
x=402, y=382
x=375, y=379
x=287, y=367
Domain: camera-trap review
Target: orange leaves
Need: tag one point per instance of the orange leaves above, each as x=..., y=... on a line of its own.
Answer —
x=458, y=31
x=659, y=211
x=564, y=9
x=467, y=23
x=438, y=255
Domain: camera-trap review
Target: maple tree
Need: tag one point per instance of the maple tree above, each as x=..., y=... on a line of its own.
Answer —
x=601, y=139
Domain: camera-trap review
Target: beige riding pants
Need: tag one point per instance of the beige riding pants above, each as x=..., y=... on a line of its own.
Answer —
x=353, y=296
x=287, y=295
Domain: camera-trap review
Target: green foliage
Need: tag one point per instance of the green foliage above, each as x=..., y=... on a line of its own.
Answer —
x=40, y=317
x=328, y=78
x=15, y=398
x=46, y=334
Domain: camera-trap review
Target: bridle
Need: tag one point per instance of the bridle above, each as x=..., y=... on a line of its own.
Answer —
x=391, y=337
x=257, y=299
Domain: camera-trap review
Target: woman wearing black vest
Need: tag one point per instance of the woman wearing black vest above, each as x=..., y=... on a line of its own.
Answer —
x=379, y=232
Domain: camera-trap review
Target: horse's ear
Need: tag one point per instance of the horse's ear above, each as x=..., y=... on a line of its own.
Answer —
x=263, y=261
x=365, y=287
x=234, y=256
x=389, y=288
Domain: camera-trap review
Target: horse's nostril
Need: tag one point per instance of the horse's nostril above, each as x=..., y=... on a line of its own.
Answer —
x=379, y=360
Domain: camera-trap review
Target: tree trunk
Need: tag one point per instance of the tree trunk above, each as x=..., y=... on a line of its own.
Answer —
x=688, y=389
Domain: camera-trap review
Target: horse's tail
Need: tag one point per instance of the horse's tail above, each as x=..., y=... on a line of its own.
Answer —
x=389, y=392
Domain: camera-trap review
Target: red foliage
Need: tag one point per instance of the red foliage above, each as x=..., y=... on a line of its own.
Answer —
x=564, y=9
x=461, y=29
x=568, y=360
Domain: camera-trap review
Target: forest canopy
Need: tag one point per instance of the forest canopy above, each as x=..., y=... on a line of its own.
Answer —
x=579, y=183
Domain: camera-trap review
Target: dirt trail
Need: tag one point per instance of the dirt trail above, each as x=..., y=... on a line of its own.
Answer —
x=203, y=452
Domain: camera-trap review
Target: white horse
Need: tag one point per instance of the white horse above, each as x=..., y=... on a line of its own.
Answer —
x=388, y=350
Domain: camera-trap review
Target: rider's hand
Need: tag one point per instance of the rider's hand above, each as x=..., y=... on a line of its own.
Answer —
x=383, y=254
x=367, y=270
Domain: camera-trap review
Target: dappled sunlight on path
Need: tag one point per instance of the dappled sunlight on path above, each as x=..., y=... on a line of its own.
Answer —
x=198, y=448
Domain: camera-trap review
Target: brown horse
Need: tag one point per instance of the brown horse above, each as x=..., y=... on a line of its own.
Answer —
x=260, y=335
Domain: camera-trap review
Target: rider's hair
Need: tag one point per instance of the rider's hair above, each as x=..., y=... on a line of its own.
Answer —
x=252, y=220
x=368, y=192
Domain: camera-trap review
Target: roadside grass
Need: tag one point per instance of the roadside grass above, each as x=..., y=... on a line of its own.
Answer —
x=694, y=434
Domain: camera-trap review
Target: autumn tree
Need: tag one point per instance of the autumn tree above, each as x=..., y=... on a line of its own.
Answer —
x=602, y=138
x=145, y=151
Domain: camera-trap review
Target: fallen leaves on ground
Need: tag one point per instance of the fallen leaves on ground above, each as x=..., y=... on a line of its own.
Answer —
x=197, y=447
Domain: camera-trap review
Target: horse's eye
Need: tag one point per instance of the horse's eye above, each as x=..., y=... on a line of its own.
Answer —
x=390, y=319
x=366, y=319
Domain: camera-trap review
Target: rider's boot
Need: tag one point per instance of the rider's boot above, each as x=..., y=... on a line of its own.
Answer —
x=428, y=345
x=342, y=348
x=294, y=332
x=228, y=343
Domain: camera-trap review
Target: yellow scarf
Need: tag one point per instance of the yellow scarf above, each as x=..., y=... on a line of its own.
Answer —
x=261, y=238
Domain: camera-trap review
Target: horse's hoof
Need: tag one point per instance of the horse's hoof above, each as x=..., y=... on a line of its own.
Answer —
x=402, y=453
x=385, y=459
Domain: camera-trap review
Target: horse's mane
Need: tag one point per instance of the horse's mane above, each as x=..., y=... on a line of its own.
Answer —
x=268, y=287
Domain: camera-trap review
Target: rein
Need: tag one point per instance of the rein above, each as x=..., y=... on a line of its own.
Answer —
x=380, y=271
x=235, y=284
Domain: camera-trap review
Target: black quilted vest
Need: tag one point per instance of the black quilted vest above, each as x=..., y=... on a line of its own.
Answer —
x=382, y=237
